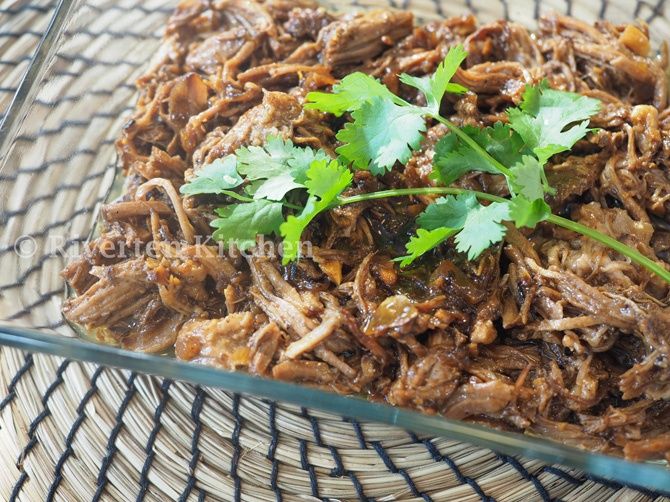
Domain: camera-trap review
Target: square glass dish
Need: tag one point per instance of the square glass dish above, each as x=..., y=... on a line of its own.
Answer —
x=58, y=165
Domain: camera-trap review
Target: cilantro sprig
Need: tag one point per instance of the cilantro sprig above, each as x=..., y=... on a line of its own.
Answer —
x=285, y=187
x=272, y=178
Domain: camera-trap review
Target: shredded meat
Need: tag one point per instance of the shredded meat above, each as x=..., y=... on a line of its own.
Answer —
x=361, y=37
x=549, y=333
x=221, y=342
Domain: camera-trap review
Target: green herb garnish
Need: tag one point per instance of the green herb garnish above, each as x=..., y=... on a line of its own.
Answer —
x=279, y=166
x=325, y=182
x=287, y=186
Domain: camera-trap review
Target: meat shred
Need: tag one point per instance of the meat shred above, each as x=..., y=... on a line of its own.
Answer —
x=549, y=333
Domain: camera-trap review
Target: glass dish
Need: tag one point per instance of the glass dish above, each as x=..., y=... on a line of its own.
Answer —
x=57, y=166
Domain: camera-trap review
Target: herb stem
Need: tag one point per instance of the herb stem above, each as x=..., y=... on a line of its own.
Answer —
x=612, y=243
x=403, y=192
x=463, y=136
x=619, y=247
x=242, y=198
x=236, y=196
x=473, y=144
x=293, y=206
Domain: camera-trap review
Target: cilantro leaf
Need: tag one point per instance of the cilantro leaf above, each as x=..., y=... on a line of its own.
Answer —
x=500, y=141
x=291, y=230
x=279, y=165
x=381, y=134
x=434, y=86
x=450, y=211
x=453, y=158
x=277, y=187
x=251, y=187
x=215, y=178
x=525, y=213
x=424, y=241
x=239, y=224
x=551, y=121
x=476, y=226
x=325, y=182
x=482, y=228
x=262, y=162
x=302, y=159
x=347, y=96
x=527, y=178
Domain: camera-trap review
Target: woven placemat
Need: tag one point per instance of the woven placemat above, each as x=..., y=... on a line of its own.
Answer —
x=76, y=431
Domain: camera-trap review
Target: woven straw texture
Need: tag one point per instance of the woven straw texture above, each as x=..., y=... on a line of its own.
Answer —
x=76, y=431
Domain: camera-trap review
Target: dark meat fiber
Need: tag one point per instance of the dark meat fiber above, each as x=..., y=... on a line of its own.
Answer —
x=549, y=333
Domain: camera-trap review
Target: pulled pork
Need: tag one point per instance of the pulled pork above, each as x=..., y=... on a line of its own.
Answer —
x=549, y=333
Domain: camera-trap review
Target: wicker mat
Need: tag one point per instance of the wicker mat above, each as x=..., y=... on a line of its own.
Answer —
x=76, y=431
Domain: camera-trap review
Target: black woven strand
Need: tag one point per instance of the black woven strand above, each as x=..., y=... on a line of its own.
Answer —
x=41, y=168
x=314, y=423
x=656, y=11
x=390, y=465
x=654, y=494
x=91, y=62
x=358, y=430
x=69, y=439
x=309, y=468
x=14, y=62
x=37, y=266
x=18, y=486
x=505, y=7
x=638, y=8
x=131, y=8
x=69, y=98
x=339, y=469
x=73, y=124
x=438, y=8
x=525, y=474
x=603, y=9
x=11, y=388
x=196, y=409
x=19, y=34
x=438, y=456
x=111, y=448
x=44, y=297
x=44, y=231
x=50, y=325
x=13, y=11
x=274, y=441
x=115, y=34
x=237, y=449
x=58, y=189
x=566, y=476
x=32, y=429
x=149, y=448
